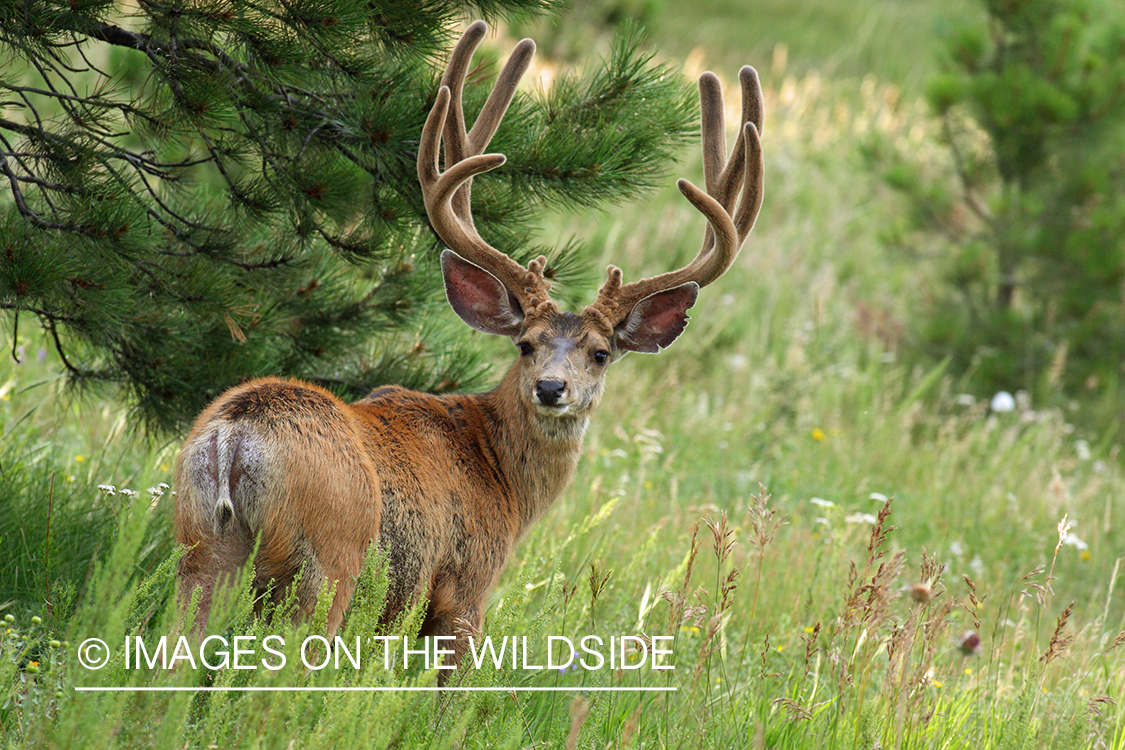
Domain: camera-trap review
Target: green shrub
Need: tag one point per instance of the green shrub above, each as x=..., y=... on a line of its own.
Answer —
x=1032, y=216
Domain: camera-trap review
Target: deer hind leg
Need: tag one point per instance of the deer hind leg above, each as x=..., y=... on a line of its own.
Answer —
x=212, y=520
x=293, y=567
x=210, y=563
x=335, y=507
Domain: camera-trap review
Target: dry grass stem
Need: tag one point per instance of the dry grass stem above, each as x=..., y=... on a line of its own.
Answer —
x=1060, y=641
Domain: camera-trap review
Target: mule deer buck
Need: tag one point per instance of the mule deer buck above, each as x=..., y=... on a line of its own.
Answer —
x=446, y=485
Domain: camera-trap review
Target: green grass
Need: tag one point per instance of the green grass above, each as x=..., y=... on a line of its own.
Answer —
x=730, y=496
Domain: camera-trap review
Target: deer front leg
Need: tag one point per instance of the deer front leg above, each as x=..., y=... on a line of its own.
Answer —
x=460, y=623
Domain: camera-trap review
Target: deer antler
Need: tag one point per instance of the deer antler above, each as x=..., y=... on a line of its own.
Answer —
x=447, y=194
x=725, y=181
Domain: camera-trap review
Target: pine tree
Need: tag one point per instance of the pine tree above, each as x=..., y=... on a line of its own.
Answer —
x=204, y=191
x=1032, y=107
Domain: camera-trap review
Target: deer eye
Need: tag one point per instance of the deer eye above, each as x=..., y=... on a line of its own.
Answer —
x=601, y=356
x=525, y=348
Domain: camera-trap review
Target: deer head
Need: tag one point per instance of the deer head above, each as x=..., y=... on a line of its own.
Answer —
x=563, y=355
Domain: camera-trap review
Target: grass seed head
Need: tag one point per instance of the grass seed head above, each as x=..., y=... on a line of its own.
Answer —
x=1060, y=641
x=970, y=643
x=921, y=593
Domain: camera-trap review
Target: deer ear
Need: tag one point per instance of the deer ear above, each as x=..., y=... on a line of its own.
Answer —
x=657, y=320
x=479, y=298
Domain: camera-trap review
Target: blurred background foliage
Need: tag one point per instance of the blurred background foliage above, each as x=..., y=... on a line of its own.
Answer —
x=1017, y=204
x=1031, y=227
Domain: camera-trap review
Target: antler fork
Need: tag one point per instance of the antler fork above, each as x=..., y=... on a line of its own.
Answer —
x=725, y=182
x=448, y=194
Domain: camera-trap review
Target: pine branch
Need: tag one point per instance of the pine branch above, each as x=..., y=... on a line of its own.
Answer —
x=242, y=198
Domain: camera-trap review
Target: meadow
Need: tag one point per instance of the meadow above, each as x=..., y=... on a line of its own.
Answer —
x=849, y=548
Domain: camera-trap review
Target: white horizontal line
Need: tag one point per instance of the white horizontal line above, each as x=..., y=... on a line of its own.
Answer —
x=407, y=689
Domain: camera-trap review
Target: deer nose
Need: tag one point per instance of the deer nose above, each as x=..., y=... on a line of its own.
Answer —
x=549, y=391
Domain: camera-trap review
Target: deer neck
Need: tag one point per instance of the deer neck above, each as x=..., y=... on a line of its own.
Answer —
x=537, y=454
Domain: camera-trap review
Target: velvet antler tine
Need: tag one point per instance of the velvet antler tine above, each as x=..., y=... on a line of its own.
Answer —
x=461, y=172
x=429, y=144
x=752, y=109
x=503, y=91
x=753, y=188
x=456, y=136
x=733, y=177
x=709, y=266
x=441, y=185
x=712, y=130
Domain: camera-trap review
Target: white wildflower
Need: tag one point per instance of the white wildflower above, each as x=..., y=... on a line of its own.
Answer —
x=1002, y=402
x=1074, y=541
x=866, y=518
